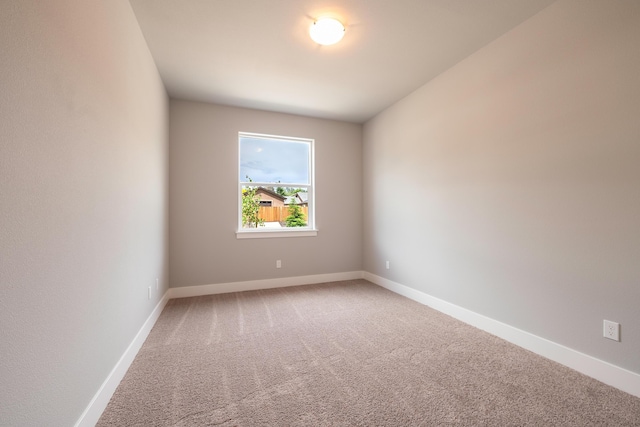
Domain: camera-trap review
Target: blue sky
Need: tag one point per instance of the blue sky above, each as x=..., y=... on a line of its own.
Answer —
x=266, y=160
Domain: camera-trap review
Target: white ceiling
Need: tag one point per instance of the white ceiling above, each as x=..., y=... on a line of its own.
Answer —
x=257, y=53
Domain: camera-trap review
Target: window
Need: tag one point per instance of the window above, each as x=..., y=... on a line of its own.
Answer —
x=275, y=186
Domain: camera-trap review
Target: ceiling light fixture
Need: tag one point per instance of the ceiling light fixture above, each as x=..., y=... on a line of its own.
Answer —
x=326, y=31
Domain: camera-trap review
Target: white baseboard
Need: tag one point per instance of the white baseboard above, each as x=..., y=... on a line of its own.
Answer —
x=94, y=410
x=92, y=413
x=600, y=370
x=252, y=285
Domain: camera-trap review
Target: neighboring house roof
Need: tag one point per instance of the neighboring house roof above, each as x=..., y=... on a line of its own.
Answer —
x=300, y=198
x=270, y=193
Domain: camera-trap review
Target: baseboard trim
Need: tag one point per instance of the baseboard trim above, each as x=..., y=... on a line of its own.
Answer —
x=253, y=285
x=100, y=400
x=600, y=370
x=94, y=410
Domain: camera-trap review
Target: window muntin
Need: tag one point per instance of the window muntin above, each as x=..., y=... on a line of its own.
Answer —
x=281, y=165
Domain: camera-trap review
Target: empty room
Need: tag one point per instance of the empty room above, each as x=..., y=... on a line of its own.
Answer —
x=320, y=213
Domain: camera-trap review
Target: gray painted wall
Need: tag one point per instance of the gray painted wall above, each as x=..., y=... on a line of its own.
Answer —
x=83, y=201
x=510, y=184
x=203, y=203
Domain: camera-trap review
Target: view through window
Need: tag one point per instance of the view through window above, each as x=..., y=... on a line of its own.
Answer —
x=275, y=183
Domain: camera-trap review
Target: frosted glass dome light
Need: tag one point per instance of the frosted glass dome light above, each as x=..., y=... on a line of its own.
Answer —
x=326, y=31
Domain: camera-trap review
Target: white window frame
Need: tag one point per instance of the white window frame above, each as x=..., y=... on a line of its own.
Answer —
x=260, y=233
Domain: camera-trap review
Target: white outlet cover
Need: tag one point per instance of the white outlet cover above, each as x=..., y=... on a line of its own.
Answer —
x=611, y=330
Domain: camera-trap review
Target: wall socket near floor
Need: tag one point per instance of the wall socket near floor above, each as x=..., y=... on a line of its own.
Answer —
x=387, y=264
x=149, y=292
x=612, y=330
x=278, y=263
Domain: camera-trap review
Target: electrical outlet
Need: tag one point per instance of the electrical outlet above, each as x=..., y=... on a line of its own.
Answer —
x=278, y=264
x=388, y=265
x=612, y=330
x=149, y=294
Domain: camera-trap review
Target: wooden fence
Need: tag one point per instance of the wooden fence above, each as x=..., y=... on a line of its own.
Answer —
x=278, y=214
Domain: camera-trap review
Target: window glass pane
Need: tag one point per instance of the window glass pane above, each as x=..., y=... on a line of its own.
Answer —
x=264, y=208
x=274, y=161
x=275, y=183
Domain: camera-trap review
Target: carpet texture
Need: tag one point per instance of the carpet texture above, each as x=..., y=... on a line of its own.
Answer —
x=345, y=354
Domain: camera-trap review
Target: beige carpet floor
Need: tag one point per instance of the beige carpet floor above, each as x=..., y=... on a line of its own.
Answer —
x=345, y=354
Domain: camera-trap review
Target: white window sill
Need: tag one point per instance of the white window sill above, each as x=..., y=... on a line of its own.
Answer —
x=271, y=234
